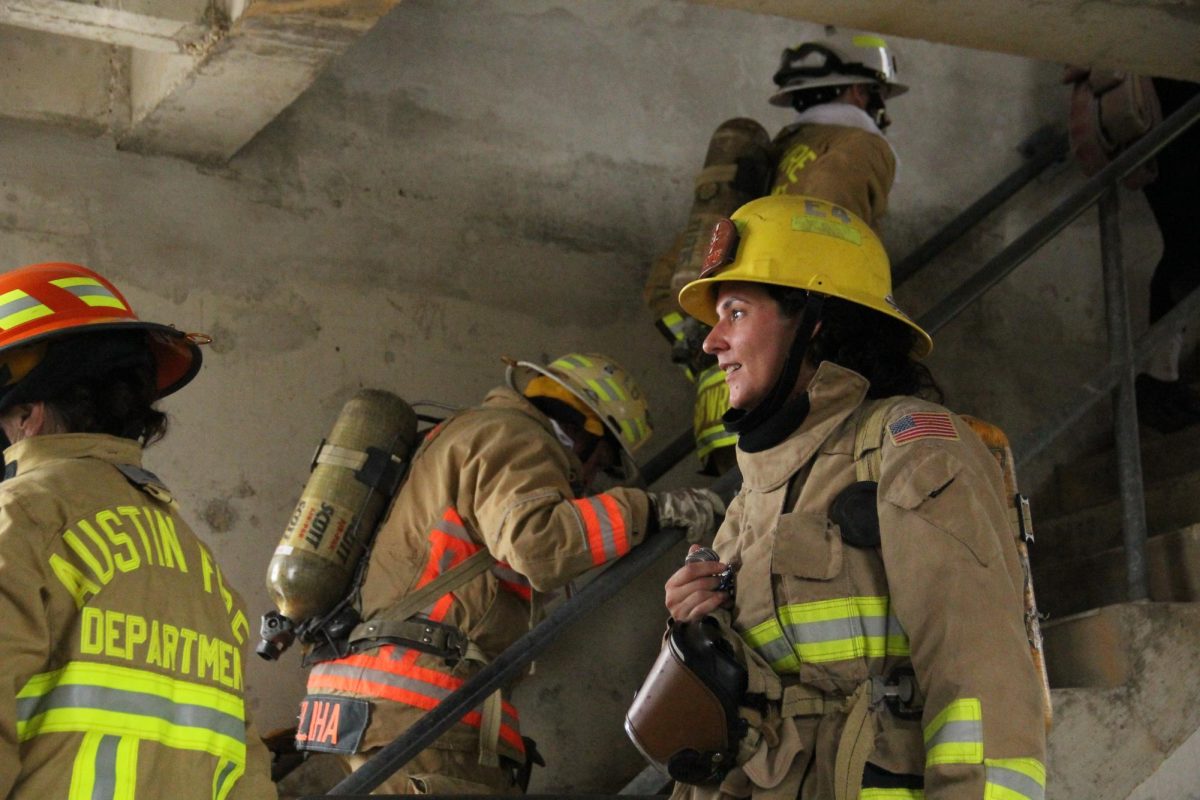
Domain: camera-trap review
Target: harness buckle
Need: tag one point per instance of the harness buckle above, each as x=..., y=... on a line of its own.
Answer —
x=901, y=693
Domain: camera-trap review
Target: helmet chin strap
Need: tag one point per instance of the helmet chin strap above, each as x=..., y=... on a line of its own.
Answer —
x=742, y=422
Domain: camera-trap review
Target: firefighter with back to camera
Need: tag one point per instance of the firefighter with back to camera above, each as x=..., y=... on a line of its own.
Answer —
x=834, y=149
x=494, y=512
x=123, y=640
x=877, y=607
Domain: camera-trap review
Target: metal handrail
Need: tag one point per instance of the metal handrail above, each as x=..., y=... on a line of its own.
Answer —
x=1062, y=215
x=1042, y=149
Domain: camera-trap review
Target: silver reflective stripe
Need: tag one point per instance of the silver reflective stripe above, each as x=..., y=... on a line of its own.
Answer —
x=1015, y=781
x=104, y=785
x=20, y=304
x=775, y=650
x=969, y=731
x=118, y=700
x=605, y=526
x=85, y=290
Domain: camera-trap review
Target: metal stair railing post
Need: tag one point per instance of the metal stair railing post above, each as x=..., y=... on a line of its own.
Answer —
x=1062, y=215
x=517, y=656
x=1125, y=421
x=1045, y=147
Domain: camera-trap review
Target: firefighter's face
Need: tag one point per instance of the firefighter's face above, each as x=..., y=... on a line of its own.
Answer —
x=602, y=457
x=751, y=341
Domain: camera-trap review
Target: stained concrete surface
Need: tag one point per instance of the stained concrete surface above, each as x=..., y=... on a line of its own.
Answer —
x=474, y=179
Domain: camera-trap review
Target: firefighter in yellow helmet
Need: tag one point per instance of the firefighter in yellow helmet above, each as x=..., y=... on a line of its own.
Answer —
x=878, y=594
x=834, y=149
x=123, y=642
x=504, y=485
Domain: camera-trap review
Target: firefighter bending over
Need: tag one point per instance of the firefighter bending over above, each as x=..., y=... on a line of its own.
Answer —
x=507, y=479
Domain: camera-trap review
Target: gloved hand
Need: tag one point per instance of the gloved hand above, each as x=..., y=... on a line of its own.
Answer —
x=694, y=510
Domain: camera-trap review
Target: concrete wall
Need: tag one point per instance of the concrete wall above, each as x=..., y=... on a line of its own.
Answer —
x=475, y=179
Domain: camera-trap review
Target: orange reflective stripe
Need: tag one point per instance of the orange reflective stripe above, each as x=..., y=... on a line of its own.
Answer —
x=604, y=527
x=450, y=544
x=512, y=580
x=591, y=529
x=617, y=520
x=388, y=675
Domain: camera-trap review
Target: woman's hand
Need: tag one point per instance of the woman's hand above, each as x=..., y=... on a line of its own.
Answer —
x=691, y=592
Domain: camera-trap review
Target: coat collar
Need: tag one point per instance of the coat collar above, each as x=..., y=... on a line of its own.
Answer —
x=29, y=454
x=834, y=393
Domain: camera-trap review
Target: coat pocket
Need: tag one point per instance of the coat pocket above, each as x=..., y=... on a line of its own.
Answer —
x=806, y=546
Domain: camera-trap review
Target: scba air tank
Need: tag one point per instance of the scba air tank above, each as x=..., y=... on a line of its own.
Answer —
x=737, y=168
x=356, y=471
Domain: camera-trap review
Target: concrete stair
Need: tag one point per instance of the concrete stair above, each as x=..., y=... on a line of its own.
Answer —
x=1078, y=557
x=1125, y=677
x=1126, y=717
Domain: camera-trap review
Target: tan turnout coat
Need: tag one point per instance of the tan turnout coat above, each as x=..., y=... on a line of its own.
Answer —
x=123, y=645
x=493, y=477
x=941, y=596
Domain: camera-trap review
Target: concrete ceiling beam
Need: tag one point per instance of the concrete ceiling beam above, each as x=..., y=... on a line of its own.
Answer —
x=207, y=107
x=1147, y=37
x=107, y=25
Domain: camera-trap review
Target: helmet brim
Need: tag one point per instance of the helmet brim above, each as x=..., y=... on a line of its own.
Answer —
x=783, y=97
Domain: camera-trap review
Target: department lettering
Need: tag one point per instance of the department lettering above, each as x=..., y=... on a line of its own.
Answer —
x=131, y=637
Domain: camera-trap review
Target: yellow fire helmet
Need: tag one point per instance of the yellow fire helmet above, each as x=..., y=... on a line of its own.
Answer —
x=803, y=243
x=605, y=390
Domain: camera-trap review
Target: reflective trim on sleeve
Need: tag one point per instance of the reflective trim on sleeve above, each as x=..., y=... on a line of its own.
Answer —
x=392, y=673
x=90, y=291
x=603, y=527
x=1014, y=779
x=955, y=735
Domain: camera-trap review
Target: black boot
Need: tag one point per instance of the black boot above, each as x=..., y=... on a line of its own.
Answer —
x=1166, y=406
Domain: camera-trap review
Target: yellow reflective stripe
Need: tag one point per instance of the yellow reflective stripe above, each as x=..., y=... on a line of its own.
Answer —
x=90, y=291
x=673, y=321
x=767, y=638
x=955, y=736
x=17, y=308
x=877, y=793
x=710, y=377
x=615, y=389
x=1014, y=779
x=102, y=698
x=127, y=769
x=867, y=41
x=83, y=772
x=127, y=679
x=843, y=628
x=573, y=361
x=225, y=777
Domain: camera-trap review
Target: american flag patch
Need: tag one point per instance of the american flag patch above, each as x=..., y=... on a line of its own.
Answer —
x=922, y=425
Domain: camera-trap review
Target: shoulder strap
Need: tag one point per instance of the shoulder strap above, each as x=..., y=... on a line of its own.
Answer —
x=868, y=439
x=148, y=482
x=453, y=578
